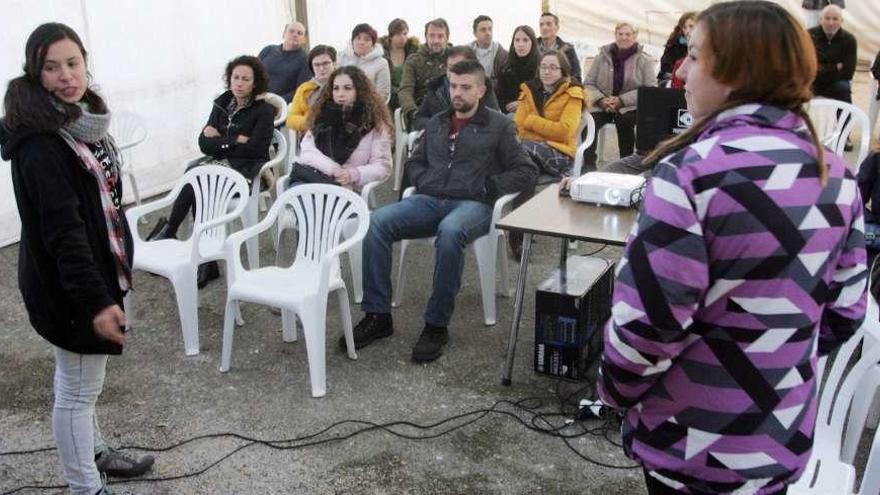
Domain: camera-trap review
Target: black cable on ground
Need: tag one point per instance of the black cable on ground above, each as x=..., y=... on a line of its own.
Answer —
x=537, y=421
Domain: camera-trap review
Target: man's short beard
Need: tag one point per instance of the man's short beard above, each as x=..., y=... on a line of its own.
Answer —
x=463, y=107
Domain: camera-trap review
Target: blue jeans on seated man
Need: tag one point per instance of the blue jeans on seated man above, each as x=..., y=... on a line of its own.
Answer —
x=455, y=223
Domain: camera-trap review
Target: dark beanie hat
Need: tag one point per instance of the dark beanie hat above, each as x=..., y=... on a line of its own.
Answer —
x=365, y=28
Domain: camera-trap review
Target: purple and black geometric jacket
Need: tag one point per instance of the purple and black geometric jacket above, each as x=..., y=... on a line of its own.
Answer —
x=740, y=269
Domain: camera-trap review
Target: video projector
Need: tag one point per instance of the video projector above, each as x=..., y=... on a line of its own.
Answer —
x=605, y=188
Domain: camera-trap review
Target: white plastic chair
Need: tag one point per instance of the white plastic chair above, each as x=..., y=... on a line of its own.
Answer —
x=302, y=289
x=128, y=129
x=280, y=108
x=826, y=472
x=875, y=107
x=252, y=210
x=488, y=251
x=355, y=258
x=834, y=121
x=217, y=191
x=293, y=149
x=584, y=142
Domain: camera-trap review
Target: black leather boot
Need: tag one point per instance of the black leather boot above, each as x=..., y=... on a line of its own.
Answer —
x=207, y=272
x=161, y=231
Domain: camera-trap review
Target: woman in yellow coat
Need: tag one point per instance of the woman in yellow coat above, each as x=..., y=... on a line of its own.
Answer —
x=322, y=60
x=549, y=114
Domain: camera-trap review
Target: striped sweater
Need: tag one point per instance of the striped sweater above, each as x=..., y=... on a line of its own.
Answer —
x=741, y=268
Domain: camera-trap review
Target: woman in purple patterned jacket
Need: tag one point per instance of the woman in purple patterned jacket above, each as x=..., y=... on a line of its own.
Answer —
x=747, y=262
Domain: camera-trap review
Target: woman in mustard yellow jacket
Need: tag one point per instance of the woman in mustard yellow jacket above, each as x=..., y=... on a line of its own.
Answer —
x=549, y=114
x=322, y=60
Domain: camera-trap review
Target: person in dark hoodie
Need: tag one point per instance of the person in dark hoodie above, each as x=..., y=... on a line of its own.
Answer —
x=549, y=25
x=238, y=134
x=74, y=265
x=437, y=97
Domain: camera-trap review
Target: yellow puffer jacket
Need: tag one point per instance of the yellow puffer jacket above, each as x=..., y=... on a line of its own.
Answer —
x=299, y=108
x=562, y=116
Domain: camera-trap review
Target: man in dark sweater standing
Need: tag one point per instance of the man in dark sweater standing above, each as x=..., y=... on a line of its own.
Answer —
x=287, y=63
x=469, y=157
x=836, y=49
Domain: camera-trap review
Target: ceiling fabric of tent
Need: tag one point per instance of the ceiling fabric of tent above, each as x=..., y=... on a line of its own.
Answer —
x=591, y=22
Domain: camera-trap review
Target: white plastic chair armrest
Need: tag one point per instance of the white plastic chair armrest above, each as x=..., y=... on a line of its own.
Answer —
x=409, y=191
x=500, y=203
x=233, y=242
x=367, y=191
x=134, y=214
x=226, y=218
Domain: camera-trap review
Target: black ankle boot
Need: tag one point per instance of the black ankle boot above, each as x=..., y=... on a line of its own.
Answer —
x=207, y=272
x=161, y=231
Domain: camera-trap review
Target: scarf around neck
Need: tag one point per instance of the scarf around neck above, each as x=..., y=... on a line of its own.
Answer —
x=618, y=59
x=338, y=130
x=91, y=128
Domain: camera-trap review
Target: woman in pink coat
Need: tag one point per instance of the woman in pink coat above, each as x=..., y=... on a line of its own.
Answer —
x=349, y=133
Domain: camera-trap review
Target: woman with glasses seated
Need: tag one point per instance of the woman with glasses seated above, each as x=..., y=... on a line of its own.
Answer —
x=322, y=60
x=549, y=114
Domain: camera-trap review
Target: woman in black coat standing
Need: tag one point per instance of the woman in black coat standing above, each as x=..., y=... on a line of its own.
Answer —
x=75, y=250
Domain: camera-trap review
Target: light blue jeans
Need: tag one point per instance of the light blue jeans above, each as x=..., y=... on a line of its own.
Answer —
x=79, y=379
x=455, y=223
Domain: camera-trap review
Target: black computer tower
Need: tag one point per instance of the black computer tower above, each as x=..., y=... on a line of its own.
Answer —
x=571, y=305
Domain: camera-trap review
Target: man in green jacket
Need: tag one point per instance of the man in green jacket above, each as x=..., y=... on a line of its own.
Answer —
x=425, y=64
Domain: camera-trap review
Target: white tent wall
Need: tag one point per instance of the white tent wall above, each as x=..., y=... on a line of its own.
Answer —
x=331, y=21
x=162, y=59
x=591, y=22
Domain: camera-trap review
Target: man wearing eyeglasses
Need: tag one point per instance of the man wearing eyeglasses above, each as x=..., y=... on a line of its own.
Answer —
x=470, y=156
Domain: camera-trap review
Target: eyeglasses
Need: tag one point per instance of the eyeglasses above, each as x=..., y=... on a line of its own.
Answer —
x=550, y=68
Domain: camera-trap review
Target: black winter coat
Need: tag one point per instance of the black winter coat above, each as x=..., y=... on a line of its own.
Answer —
x=842, y=49
x=487, y=163
x=254, y=121
x=437, y=99
x=66, y=270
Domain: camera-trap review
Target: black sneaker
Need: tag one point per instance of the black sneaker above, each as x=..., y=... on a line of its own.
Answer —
x=115, y=463
x=373, y=326
x=430, y=344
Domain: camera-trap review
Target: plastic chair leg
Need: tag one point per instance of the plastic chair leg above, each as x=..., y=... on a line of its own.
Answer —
x=397, y=295
x=485, y=248
x=313, y=322
x=504, y=266
x=186, y=292
x=355, y=260
x=249, y=218
x=288, y=325
x=228, y=329
x=347, y=327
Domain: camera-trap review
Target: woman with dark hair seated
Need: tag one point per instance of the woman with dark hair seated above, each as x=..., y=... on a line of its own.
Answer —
x=521, y=66
x=238, y=134
x=349, y=138
x=676, y=47
x=549, y=114
x=322, y=60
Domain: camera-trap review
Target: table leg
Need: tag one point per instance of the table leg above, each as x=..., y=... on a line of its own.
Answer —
x=563, y=261
x=517, y=309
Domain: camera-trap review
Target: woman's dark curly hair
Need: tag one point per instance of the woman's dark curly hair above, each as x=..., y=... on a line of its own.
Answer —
x=261, y=77
x=377, y=111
